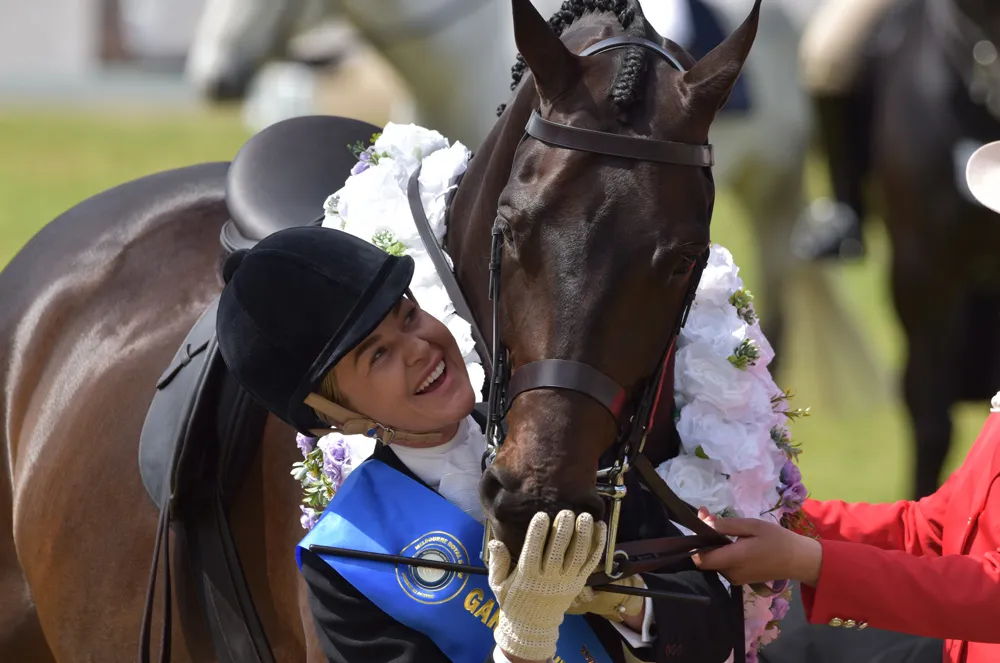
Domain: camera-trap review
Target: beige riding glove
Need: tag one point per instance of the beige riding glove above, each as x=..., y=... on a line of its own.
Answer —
x=613, y=607
x=535, y=595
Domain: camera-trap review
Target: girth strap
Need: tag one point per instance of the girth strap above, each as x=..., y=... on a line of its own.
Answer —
x=443, y=269
x=572, y=375
x=627, y=147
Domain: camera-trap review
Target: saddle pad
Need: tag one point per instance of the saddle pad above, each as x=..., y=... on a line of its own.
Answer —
x=170, y=414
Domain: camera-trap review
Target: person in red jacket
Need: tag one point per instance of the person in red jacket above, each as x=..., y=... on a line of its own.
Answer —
x=928, y=568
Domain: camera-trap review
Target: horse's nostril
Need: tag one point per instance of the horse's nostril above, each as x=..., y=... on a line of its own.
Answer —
x=489, y=488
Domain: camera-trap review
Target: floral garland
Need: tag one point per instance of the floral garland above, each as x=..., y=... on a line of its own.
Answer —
x=737, y=456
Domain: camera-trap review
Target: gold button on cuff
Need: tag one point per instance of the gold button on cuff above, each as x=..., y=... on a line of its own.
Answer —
x=850, y=623
x=862, y=626
x=836, y=621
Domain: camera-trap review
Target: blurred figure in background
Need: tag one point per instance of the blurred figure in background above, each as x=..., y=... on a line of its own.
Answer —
x=832, y=56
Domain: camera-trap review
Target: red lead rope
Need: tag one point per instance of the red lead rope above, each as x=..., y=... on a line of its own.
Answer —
x=663, y=378
x=666, y=366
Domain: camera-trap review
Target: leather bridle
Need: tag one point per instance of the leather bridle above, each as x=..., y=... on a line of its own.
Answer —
x=633, y=418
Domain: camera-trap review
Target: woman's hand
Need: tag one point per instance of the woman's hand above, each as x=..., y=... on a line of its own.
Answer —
x=551, y=572
x=613, y=607
x=762, y=552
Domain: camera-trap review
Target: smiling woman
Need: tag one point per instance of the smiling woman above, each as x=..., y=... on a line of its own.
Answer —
x=408, y=374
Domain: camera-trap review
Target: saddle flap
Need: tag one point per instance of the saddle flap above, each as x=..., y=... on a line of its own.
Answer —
x=282, y=176
x=170, y=415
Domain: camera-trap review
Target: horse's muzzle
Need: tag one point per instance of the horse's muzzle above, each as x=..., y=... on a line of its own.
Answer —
x=510, y=508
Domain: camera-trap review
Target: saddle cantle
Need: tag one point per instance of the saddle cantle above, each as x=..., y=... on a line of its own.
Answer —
x=283, y=175
x=202, y=430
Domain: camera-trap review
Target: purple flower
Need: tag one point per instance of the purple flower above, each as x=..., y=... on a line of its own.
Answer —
x=309, y=518
x=752, y=652
x=792, y=491
x=790, y=474
x=364, y=161
x=336, y=454
x=779, y=608
x=305, y=443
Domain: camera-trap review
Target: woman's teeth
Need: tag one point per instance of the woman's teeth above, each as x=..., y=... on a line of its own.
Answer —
x=432, y=377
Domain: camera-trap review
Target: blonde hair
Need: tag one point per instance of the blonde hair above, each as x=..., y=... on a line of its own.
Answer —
x=330, y=390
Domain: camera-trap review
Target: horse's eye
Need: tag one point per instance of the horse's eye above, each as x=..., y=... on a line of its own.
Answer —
x=683, y=266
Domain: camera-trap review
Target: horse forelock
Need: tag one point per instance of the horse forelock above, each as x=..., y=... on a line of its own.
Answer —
x=629, y=81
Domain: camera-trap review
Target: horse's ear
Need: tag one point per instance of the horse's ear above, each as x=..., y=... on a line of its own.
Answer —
x=553, y=66
x=711, y=80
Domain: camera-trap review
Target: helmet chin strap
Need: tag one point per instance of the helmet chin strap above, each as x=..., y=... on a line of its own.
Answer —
x=352, y=423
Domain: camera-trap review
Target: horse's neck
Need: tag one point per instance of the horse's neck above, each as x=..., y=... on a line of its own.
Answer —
x=458, y=75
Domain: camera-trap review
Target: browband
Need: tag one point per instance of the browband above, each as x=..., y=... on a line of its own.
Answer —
x=628, y=147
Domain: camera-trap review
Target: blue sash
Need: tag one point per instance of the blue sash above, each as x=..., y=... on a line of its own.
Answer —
x=381, y=510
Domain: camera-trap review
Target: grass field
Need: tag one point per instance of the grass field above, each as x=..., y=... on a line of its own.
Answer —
x=51, y=160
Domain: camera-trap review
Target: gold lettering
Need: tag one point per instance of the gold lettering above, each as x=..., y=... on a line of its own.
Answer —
x=473, y=599
x=587, y=656
x=484, y=612
x=494, y=620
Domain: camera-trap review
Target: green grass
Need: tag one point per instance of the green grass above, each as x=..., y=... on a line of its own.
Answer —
x=49, y=161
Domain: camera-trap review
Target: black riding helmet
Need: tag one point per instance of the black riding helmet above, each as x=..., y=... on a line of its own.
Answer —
x=295, y=304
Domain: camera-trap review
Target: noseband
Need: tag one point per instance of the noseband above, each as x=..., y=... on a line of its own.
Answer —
x=633, y=418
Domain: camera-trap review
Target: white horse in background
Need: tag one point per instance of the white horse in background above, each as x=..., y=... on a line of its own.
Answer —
x=455, y=58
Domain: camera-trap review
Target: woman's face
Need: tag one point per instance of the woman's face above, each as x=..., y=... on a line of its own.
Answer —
x=408, y=374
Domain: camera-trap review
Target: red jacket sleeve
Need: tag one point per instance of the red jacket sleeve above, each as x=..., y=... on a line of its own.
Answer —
x=954, y=596
x=912, y=527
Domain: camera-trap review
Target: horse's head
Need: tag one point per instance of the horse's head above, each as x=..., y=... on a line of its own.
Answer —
x=599, y=252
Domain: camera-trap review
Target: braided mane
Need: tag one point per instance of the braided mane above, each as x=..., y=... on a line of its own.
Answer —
x=628, y=85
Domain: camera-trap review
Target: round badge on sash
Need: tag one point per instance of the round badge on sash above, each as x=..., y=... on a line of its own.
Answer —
x=433, y=586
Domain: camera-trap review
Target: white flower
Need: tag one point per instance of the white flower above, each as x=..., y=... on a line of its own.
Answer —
x=755, y=334
x=737, y=446
x=720, y=279
x=409, y=144
x=698, y=482
x=720, y=328
x=477, y=376
x=438, y=175
x=701, y=374
x=754, y=491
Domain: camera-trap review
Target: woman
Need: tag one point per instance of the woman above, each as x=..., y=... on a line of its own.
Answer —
x=318, y=326
x=929, y=568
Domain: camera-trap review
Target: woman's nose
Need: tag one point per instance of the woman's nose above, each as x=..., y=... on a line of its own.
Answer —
x=417, y=350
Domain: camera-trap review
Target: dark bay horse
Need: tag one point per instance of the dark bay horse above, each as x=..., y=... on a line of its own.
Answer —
x=934, y=89
x=96, y=303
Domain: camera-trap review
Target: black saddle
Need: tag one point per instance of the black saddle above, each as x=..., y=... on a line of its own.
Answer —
x=202, y=429
x=283, y=175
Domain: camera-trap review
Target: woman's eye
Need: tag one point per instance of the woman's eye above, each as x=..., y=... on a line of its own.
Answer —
x=377, y=354
x=412, y=315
